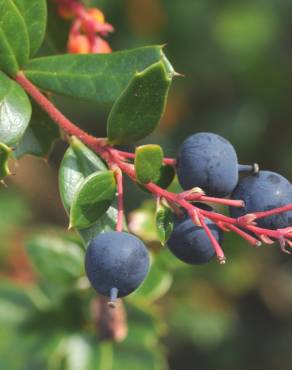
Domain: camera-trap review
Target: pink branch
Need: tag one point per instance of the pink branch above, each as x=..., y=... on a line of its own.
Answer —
x=274, y=211
x=250, y=239
x=219, y=252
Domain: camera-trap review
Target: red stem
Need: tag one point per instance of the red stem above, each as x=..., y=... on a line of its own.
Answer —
x=273, y=211
x=58, y=117
x=205, y=198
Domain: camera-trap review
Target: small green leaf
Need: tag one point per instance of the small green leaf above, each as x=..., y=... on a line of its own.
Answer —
x=138, y=110
x=164, y=222
x=40, y=135
x=56, y=259
x=93, y=198
x=95, y=77
x=14, y=41
x=167, y=174
x=5, y=153
x=105, y=223
x=78, y=163
x=148, y=162
x=15, y=111
x=34, y=13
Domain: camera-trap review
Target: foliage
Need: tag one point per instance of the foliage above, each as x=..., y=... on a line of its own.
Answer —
x=240, y=90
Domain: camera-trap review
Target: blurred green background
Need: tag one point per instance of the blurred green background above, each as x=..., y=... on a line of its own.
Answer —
x=236, y=57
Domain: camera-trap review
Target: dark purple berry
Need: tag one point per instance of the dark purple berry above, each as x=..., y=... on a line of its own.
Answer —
x=190, y=243
x=263, y=192
x=208, y=161
x=116, y=263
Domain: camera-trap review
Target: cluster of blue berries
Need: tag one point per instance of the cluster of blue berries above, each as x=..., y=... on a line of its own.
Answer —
x=118, y=262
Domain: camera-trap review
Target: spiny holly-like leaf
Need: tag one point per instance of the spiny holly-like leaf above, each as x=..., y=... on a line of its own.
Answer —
x=78, y=163
x=96, y=77
x=56, y=259
x=93, y=198
x=15, y=111
x=138, y=110
x=40, y=135
x=34, y=13
x=148, y=162
x=164, y=222
x=14, y=41
x=5, y=153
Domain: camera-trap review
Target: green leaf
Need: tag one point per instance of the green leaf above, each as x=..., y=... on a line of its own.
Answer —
x=167, y=174
x=95, y=77
x=148, y=162
x=5, y=153
x=105, y=223
x=55, y=259
x=34, y=13
x=15, y=111
x=164, y=222
x=78, y=163
x=93, y=198
x=40, y=135
x=14, y=41
x=138, y=110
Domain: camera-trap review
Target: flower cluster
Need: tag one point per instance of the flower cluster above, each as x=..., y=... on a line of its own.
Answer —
x=88, y=28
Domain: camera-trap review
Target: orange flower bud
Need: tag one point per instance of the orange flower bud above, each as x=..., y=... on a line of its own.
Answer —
x=78, y=44
x=96, y=15
x=101, y=46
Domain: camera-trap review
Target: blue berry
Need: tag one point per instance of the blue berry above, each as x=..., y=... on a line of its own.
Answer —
x=262, y=192
x=116, y=263
x=190, y=243
x=208, y=161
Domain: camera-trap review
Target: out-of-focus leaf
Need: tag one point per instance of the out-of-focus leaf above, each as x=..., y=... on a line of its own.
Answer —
x=164, y=222
x=137, y=111
x=5, y=153
x=15, y=304
x=93, y=198
x=96, y=77
x=34, y=14
x=142, y=223
x=56, y=260
x=148, y=162
x=156, y=284
x=39, y=136
x=15, y=110
x=14, y=40
x=141, y=349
